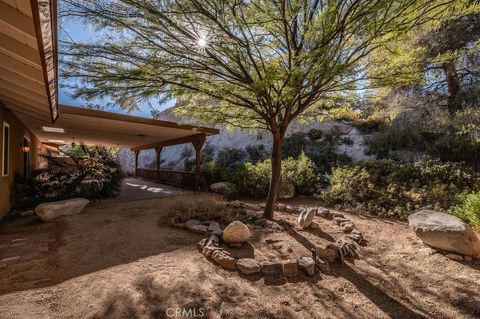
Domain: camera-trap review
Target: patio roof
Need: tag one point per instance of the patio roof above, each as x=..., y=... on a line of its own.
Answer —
x=28, y=59
x=94, y=127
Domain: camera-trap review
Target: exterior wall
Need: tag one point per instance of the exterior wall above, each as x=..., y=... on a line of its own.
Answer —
x=17, y=132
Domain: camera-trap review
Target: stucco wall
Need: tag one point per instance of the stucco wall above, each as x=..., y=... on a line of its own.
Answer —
x=17, y=132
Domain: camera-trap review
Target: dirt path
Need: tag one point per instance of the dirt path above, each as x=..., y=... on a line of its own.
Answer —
x=117, y=261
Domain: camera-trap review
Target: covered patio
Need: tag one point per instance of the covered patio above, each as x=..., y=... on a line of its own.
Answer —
x=94, y=127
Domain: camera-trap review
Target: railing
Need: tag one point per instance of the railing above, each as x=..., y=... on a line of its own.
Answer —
x=168, y=177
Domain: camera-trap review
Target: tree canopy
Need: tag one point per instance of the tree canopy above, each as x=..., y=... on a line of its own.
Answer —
x=249, y=63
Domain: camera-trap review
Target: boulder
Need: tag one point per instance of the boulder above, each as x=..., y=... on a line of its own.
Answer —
x=236, y=232
x=192, y=222
x=445, y=232
x=286, y=191
x=271, y=268
x=200, y=229
x=213, y=226
x=324, y=212
x=248, y=266
x=305, y=218
x=52, y=211
x=290, y=268
x=307, y=264
x=224, y=188
x=224, y=260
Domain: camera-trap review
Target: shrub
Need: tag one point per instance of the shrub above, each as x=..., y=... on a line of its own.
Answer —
x=253, y=179
x=468, y=209
x=230, y=156
x=201, y=207
x=390, y=188
x=315, y=134
x=321, y=152
x=371, y=124
x=294, y=144
x=93, y=175
x=257, y=153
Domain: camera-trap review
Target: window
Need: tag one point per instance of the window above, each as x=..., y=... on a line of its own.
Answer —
x=5, y=148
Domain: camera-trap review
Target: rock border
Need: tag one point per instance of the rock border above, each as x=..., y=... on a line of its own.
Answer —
x=345, y=247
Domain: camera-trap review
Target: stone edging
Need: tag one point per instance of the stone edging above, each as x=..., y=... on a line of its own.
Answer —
x=345, y=247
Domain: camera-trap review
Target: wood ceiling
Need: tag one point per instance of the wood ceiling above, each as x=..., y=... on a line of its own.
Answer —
x=94, y=127
x=28, y=59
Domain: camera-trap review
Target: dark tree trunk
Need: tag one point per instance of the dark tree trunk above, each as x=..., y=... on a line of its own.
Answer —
x=451, y=76
x=275, y=180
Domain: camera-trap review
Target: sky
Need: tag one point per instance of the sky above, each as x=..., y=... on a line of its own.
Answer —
x=77, y=31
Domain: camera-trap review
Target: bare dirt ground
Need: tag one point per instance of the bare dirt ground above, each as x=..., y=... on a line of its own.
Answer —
x=121, y=260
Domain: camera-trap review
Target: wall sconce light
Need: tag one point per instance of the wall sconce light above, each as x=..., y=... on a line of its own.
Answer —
x=25, y=147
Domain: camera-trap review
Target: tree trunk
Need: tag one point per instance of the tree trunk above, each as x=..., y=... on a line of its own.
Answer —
x=451, y=76
x=275, y=180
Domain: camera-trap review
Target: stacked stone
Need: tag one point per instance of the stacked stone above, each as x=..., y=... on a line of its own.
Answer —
x=235, y=234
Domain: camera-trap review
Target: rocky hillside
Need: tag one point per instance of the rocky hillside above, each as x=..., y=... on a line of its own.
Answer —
x=174, y=157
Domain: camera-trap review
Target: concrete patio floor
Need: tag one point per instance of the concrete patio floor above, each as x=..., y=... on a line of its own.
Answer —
x=138, y=188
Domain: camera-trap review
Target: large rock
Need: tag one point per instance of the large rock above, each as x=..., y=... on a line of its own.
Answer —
x=52, y=211
x=224, y=188
x=445, y=232
x=224, y=260
x=236, y=232
x=305, y=218
x=286, y=191
x=248, y=266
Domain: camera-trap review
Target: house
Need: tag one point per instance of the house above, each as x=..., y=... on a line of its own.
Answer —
x=33, y=122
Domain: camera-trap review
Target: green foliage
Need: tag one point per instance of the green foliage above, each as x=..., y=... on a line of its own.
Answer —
x=370, y=124
x=257, y=153
x=314, y=134
x=294, y=144
x=93, y=175
x=230, y=156
x=321, y=151
x=389, y=188
x=468, y=209
x=253, y=179
x=454, y=141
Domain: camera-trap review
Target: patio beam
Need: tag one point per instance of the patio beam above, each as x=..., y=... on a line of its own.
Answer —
x=136, y=162
x=158, y=150
x=198, y=159
x=176, y=141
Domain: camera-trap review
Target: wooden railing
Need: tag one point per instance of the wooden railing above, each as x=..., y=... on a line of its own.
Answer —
x=168, y=177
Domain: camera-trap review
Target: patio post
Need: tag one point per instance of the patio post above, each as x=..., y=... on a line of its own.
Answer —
x=198, y=159
x=136, y=162
x=158, y=150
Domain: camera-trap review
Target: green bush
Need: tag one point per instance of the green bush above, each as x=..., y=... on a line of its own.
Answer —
x=253, y=179
x=90, y=172
x=389, y=188
x=468, y=209
x=321, y=152
x=230, y=156
x=315, y=134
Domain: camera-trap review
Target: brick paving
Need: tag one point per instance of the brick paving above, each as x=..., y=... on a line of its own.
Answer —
x=16, y=248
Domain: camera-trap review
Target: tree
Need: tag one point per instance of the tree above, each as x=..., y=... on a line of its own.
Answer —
x=441, y=60
x=252, y=64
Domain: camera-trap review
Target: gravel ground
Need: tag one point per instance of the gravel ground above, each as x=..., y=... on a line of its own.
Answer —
x=121, y=260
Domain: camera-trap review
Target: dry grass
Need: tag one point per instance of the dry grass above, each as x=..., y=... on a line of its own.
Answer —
x=201, y=207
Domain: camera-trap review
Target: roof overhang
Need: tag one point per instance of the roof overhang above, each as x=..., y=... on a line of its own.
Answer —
x=28, y=57
x=94, y=127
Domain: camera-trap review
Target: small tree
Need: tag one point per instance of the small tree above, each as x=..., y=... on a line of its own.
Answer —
x=252, y=64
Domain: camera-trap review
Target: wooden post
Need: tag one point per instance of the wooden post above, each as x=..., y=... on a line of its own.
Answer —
x=198, y=159
x=136, y=162
x=158, y=150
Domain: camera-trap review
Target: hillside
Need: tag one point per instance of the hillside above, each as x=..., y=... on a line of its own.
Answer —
x=173, y=157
